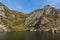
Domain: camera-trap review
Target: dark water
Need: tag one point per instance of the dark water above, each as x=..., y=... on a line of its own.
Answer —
x=29, y=36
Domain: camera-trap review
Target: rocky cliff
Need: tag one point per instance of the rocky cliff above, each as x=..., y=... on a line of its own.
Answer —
x=45, y=18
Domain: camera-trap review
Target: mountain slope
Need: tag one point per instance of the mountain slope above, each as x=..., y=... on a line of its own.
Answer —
x=12, y=19
x=41, y=19
x=45, y=18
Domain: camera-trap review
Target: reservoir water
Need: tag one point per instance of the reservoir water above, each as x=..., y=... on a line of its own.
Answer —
x=29, y=36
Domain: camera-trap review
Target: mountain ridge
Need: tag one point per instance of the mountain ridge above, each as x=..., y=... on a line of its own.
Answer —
x=48, y=17
x=41, y=19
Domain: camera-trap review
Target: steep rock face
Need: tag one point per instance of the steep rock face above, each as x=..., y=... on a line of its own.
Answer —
x=34, y=17
x=4, y=28
x=2, y=11
x=48, y=17
x=2, y=14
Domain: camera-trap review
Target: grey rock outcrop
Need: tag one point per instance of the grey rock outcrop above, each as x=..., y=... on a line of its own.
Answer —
x=4, y=28
x=3, y=11
x=48, y=17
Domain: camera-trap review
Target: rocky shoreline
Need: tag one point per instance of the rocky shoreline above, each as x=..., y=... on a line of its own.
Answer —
x=51, y=30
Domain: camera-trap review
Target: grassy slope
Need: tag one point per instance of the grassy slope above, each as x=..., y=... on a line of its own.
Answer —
x=14, y=23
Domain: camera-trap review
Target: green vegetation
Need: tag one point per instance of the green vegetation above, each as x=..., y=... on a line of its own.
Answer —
x=14, y=20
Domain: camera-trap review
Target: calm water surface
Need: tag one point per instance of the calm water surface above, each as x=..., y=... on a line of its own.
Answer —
x=29, y=36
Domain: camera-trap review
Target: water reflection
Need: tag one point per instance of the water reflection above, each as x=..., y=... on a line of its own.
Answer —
x=29, y=36
x=41, y=36
x=2, y=35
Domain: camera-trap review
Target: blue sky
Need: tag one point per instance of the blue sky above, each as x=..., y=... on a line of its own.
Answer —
x=27, y=6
